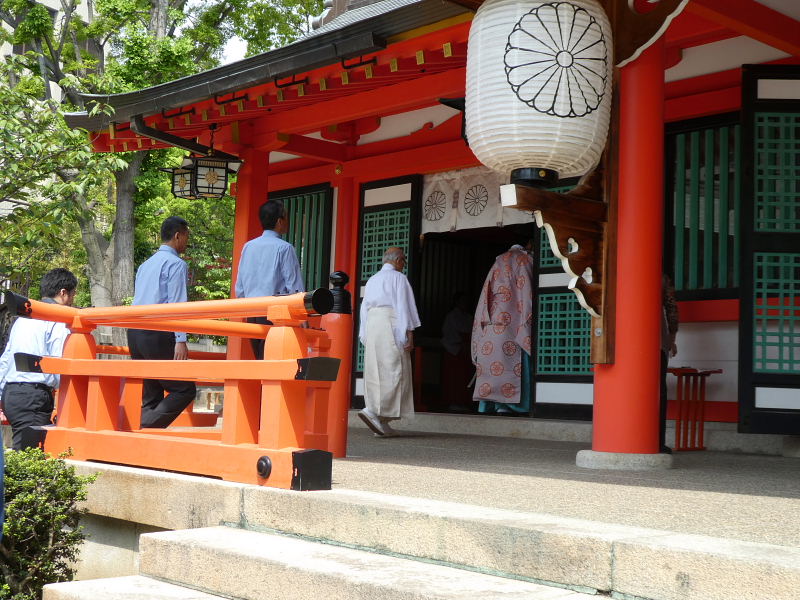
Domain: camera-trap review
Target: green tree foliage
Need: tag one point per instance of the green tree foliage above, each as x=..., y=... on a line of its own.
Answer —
x=40, y=157
x=268, y=25
x=44, y=168
x=42, y=533
x=127, y=45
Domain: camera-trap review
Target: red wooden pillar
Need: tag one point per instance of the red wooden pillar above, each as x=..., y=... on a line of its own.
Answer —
x=346, y=237
x=340, y=326
x=626, y=393
x=251, y=193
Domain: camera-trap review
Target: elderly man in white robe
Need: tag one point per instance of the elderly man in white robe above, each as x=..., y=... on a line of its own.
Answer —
x=388, y=319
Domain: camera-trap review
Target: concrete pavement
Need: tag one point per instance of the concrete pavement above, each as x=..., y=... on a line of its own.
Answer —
x=744, y=497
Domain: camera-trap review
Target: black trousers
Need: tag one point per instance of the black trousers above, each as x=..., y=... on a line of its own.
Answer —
x=27, y=405
x=159, y=410
x=258, y=343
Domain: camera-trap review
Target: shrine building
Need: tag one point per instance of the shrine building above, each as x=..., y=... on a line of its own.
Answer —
x=359, y=128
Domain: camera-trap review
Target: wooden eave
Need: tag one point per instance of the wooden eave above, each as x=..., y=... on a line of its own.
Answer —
x=359, y=56
x=407, y=75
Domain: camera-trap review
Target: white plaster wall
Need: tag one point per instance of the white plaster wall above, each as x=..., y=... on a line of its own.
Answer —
x=387, y=195
x=783, y=398
x=564, y=393
x=547, y=280
x=700, y=346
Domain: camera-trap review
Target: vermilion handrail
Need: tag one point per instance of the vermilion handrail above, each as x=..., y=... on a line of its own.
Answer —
x=199, y=326
x=294, y=307
x=273, y=409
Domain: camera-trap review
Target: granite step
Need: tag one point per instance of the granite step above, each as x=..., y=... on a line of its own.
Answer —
x=250, y=565
x=133, y=587
x=587, y=556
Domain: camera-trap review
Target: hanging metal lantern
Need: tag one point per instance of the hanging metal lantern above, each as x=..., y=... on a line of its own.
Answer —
x=210, y=177
x=538, y=90
x=182, y=179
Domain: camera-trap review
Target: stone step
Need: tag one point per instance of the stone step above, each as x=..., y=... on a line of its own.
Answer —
x=586, y=555
x=134, y=587
x=249, y=565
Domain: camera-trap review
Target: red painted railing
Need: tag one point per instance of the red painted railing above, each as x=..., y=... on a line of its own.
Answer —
x=275, y=417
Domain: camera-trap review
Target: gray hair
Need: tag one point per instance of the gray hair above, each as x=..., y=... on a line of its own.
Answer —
x=392, y=254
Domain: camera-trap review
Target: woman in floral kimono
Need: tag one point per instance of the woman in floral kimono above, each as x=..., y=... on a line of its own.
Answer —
x=501, y=334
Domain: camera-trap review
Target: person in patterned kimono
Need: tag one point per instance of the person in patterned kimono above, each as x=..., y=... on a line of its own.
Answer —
x=501, y=334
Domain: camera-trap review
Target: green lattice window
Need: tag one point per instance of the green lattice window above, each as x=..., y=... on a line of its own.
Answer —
x=360, y=357
x=310, y=234
x=776, y=315
x=706, y=200
x=548, y=260
x=383, y=229
x=777, y=172
x=563, y=345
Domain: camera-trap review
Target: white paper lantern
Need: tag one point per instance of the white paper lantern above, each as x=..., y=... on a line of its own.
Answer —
x=538, y=91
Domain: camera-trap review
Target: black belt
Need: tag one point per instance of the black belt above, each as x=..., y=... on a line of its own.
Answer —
x=38, y=386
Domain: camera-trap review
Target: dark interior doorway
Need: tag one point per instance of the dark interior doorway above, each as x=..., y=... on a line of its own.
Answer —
x=452, y=264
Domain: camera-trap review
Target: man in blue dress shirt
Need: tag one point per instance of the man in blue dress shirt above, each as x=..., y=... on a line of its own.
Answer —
x=28, y=397
x=268, y=265
x=162, y=279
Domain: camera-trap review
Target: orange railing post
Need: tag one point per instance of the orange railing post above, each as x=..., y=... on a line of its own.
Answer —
x=73, y=391
x=130, y=408
x=283, y=423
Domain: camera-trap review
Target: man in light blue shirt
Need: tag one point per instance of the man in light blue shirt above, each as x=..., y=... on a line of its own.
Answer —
x=268, y=265
x=162, y=279
x=28, y=397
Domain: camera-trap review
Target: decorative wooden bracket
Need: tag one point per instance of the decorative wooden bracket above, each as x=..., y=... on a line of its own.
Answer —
x=636, y=24
x=575, y=223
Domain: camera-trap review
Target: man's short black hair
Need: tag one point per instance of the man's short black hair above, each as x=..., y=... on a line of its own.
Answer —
x=56, y=280
x=270, y=212
x=171, y=226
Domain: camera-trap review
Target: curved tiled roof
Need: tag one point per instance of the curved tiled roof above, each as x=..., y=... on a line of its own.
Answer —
x=355, y=32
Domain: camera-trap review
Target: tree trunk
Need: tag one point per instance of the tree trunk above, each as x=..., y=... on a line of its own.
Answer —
x=158, y=18
x=98, y=268
x=122, y=238
x=119, y=257
x=110, y=263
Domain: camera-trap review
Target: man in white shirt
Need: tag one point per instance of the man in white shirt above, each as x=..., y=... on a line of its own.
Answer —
x=27, y=398
x=388, y=318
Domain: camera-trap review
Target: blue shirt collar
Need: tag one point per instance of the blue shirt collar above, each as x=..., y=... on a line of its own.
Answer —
x=169, y=249
x=270, y=233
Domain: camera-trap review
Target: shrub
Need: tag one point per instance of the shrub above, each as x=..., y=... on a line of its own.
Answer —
x=41, y=534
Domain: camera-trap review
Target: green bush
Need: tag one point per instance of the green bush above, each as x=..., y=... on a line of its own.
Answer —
x=42, y=533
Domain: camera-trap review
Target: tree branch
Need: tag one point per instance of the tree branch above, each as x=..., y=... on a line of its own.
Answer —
x=67, y=9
